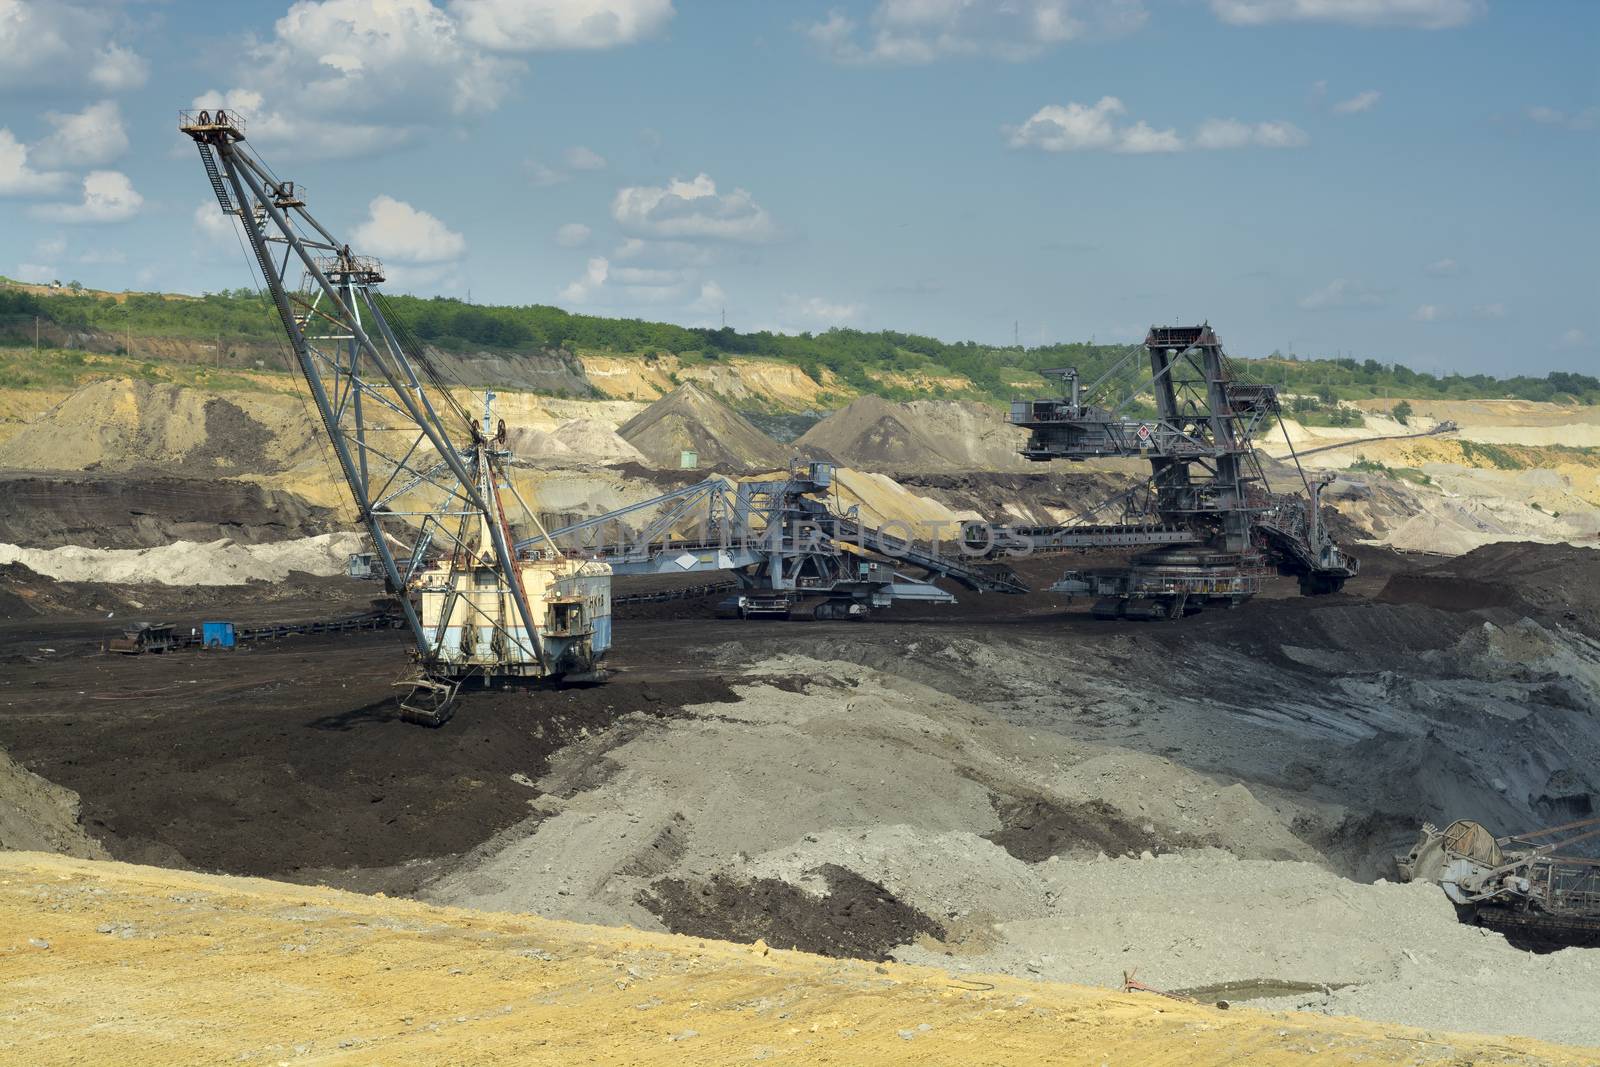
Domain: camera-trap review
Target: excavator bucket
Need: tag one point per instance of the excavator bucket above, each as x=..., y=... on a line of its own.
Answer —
x=431, y=702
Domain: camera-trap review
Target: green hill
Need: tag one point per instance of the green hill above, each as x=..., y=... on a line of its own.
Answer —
x=243, y=317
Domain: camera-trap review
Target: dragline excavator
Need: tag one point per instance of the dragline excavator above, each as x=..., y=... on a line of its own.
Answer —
x=429, y=479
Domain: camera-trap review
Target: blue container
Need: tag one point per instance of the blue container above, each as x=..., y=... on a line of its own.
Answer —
x=217, y=634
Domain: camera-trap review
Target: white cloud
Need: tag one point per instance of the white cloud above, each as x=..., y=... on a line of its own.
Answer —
x=354, y=77
x=1429, y=313
x=395, y=230
x=37, y=273
x=1573, y=338
x=1231, y=133
x=214, y=226
x=544, y=176
x=923, y=31
x=649, y=277
x=712, y=299
x=1357, y=104
x=84, y=138
x=579, y=157
x=343, y=78
x=426, y=277
x=1443, y=268
x=646, y=274
x=820, y=310
x=1078, y=127
x=17, y=176
x=117, y=69
x=315, y=138
x=1420, y=14
x=1581, y=121
x=1097, y=127
x=584, y=289
x=573, y=235
x=47, y=43
x=108, y=196
x=675, y=253
x=1342, y=293
x=1223, y=133
x=1489, y=311
x=50, y=248
x=692, y=210
x=540, y=25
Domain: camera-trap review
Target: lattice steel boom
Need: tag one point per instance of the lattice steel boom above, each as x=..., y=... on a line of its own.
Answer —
x=425, y=475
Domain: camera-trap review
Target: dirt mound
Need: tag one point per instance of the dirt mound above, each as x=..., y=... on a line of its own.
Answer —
x=687, y=418
x=854, y=919
x=220, y=562
x=299, y=739
x=921, y=435
x=111, y=511
x=1552, y=581
x=530, y=444
x=27, y=594
x=40, y=816
x=595, y=440
x=125, y=424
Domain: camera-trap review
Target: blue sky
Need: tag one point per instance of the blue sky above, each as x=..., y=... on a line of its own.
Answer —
x=1407, y=180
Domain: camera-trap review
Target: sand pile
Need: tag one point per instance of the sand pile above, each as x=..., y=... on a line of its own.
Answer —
x=220, y=562
x=990, y=839
x=596, y=441
x=40, y=815
x=123, y=424
x=686, y=797
x=688, y=418
x=921, y=435
x=530, y=445
x=1390, y=952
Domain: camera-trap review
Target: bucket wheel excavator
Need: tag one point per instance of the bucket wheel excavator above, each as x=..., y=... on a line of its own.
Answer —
x=1209, y=525
x=1536, y=888
x=429, y=480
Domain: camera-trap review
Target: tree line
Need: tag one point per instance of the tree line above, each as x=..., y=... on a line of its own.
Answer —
x=853, y=356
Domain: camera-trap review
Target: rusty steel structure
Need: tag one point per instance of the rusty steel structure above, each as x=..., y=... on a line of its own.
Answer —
x=430, y=480
x=787, y=543
x=1210, y=524
x=1531, y=886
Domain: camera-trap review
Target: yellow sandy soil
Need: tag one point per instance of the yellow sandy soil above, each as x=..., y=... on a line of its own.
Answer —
x=1492, y=412
x=112, y=963
x=782, y=386
x=921, y=381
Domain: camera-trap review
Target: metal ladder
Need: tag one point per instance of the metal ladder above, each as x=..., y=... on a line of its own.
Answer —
x=210, y=160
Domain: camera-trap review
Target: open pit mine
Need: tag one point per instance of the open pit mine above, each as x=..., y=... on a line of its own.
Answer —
x=386, y=706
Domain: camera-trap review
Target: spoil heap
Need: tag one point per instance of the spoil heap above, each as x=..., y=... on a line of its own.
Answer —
x=1547, y=582
x=530, y=445
x=688, y=419
x=921, y=435
x=596, y=441
x=125, y=424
